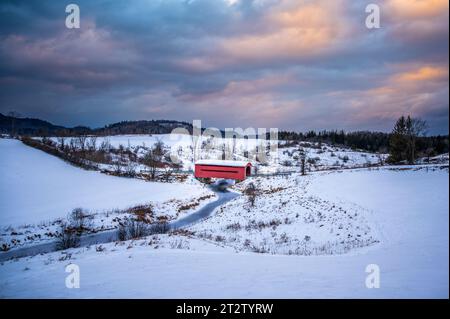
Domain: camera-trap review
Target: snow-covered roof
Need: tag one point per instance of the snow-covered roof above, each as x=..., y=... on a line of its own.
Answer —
x=222, y=163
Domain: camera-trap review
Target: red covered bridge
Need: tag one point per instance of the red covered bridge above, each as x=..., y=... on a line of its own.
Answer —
x=222, y=169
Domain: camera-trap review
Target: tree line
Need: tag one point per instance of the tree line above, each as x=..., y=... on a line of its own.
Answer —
x=405, y=143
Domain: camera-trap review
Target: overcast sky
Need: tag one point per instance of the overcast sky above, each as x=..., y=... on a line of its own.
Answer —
x=290, y=64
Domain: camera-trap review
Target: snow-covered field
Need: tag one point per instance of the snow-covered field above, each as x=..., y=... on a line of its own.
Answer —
x=37, y=188
x=287, y=218
x=407, y=211
x=305, y=237
x=284, y=158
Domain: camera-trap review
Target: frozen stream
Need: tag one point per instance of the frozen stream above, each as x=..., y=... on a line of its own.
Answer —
x=112, y=235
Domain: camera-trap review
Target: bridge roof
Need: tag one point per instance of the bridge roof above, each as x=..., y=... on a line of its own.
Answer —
x=223, y=163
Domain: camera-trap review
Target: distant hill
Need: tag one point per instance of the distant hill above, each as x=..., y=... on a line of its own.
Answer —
x=143, y=127
x=30, y=126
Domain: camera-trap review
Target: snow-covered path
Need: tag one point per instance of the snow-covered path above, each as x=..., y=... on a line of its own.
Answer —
x=410, y=209
x=36, y=187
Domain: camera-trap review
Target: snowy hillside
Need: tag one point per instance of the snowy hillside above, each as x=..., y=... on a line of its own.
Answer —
x=407, y=209
x=290, y=236
x=287, y=219
x=286, y=158
x=37, y=187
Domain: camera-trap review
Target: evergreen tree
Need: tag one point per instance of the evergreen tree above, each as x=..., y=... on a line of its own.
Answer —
x=398, y=142
x=403, y=140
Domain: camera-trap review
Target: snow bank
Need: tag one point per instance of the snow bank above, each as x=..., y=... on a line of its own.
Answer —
x=37, y=187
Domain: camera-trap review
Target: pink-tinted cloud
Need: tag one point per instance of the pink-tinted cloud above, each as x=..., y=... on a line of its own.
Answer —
x=416, y=9
x=417, y=91
x=289, y=63
x=416, y=21
x=76, y=57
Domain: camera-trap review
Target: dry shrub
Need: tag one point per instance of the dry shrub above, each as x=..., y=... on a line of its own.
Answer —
x=142, y=213
x=69, y=237
x=134, y=229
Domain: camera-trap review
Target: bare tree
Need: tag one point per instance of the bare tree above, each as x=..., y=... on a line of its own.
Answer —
x=168, y=171
x=130, y=168
x=92, y=143
x=77, y=222
x=68, y=237
x=302, y=161
x=415, y=128
x=131, y=228
x=233, y=148
x=153, y=158
x=61, y=142
x=105, y=146
x=251, y=191
x=80, y=220
x=13, y=115
x=117, y=166
x=81, y=141
x=380, y=159
x=429, y=152
x=72, y=145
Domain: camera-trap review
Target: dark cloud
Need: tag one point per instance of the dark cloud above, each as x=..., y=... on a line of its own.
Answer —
x=277, y=63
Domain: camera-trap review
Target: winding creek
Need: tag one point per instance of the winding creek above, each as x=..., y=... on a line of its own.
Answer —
x=112, y=235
